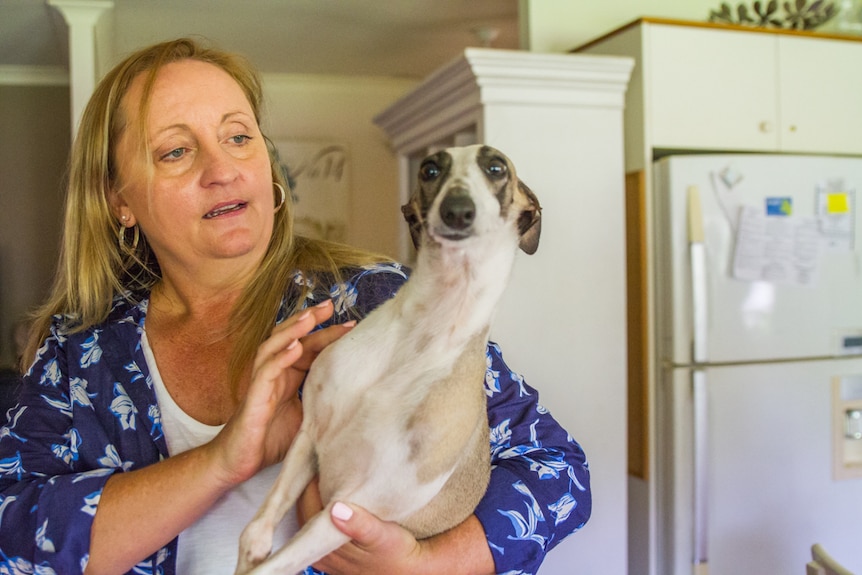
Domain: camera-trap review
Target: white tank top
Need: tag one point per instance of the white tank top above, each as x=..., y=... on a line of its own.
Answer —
x=210, y=546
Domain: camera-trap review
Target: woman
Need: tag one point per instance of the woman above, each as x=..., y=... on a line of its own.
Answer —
x=160, y=398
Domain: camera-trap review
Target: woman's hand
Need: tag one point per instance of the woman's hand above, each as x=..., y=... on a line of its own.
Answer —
x=377, y=547
x=257, y=435
x=268, y=417
x=380, y=547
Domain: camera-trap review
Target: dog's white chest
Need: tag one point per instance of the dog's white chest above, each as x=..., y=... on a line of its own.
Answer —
x=395, y=418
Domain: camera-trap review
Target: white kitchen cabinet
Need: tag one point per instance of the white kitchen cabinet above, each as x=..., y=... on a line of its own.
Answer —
x=562, y=320
x=732, y=88
x=820, y=82
x=710, y=89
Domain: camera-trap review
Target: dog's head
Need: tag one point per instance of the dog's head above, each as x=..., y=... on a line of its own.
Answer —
x=463, y=192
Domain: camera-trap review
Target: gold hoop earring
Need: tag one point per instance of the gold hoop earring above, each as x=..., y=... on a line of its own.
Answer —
x=121, y=237
x=283, y=195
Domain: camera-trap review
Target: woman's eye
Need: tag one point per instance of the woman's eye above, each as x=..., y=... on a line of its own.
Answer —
x=174, y=154
x=240, y=139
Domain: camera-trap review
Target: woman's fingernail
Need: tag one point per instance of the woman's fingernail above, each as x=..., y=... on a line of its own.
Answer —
x=293, y=344
x=324, y=303
x=342, y=511
x=351, y=323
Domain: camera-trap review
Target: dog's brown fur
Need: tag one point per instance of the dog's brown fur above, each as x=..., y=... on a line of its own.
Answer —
x=395, y=411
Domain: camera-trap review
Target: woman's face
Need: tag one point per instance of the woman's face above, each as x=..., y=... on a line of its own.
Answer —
x=210, y=198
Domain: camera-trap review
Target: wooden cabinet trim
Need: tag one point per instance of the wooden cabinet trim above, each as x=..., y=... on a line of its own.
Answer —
x=715, y=26
x=637, y=325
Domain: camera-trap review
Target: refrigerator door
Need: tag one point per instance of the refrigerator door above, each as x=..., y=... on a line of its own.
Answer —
x=794, y=311
x=771, y=491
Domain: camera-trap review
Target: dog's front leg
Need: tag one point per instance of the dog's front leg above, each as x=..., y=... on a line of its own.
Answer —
x=255, y=543
x=318, y=538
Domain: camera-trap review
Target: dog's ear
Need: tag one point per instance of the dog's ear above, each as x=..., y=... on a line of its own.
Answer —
x=414, y=220
x=529, y=221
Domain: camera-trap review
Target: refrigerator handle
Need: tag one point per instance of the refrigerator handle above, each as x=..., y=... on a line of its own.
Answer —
x=701, y=486
x=699, y=379
x=698, y=276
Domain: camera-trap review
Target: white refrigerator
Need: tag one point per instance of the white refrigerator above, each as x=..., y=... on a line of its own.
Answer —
x=758, y=347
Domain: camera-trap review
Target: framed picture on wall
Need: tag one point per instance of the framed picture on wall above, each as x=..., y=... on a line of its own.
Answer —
x=319, y=178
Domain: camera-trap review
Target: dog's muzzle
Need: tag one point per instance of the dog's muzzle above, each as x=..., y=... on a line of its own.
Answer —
x=458, y=212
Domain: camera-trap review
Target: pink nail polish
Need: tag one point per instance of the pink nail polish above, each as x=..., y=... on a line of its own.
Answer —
x=341, y=511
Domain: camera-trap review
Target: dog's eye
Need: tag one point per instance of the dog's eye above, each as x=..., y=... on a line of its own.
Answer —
x=429, y=171
x=496, y=169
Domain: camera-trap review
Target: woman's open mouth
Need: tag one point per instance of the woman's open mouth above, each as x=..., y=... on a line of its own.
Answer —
x=224, y=209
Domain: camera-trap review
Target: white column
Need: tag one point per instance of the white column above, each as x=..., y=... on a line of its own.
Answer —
x=562, y=320
x=81, y=17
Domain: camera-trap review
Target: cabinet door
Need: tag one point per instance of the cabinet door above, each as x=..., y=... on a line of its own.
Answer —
x=820, y=83
x=711, y=89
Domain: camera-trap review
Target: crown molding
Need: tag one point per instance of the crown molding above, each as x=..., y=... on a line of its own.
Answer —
x=450, y=98
x=34, y=76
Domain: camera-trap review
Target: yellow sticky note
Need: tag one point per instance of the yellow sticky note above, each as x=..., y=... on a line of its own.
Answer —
x=837, y=203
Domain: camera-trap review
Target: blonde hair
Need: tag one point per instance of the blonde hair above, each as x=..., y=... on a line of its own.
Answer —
x=93, y=267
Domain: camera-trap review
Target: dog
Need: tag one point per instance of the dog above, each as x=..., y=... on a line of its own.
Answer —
x=395, y=415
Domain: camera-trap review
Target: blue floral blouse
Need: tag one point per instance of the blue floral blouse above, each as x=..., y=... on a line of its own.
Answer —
x=88, y=410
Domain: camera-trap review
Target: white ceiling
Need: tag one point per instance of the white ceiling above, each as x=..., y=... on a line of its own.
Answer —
x=406, y=38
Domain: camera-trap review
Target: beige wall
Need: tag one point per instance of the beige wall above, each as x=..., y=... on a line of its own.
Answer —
x=34, y=121
x=560, y=25
x=341, y=109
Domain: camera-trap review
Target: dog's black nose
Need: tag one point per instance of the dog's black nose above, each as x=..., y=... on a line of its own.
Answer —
x=458, y=211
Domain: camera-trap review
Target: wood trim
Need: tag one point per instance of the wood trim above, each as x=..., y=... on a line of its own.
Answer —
x=637, y=326
x=715, y=26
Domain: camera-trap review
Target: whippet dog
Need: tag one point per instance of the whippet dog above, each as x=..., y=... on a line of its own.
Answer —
x=395, y=415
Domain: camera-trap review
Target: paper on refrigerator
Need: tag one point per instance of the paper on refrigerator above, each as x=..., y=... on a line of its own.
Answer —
x=778, y=249
x=836, y=209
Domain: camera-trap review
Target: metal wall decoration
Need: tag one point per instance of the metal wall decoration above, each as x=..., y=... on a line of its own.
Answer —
x=318, y=174
x=798, y=14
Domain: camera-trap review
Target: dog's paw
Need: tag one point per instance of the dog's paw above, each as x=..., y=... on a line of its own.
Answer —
x=255, y=545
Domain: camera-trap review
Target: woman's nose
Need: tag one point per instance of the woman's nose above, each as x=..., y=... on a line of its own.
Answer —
x=217, y=166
